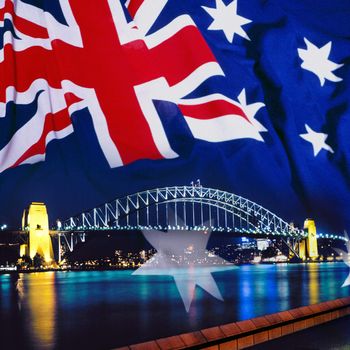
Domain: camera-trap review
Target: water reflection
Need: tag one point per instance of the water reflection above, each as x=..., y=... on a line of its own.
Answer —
x=4, y=292
x=104, y=310
x=246, y=305
x=39, y=299
x=283, y=285
x=314, y=284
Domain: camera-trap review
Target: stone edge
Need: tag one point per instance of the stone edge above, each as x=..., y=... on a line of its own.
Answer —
x=243, y=334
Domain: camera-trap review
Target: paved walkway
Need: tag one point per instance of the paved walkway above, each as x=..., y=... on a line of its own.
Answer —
x=334, y=335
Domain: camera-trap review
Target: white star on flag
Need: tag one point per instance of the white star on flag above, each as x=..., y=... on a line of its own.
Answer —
x=250, y=110
x=346, y=258
x=183, y=255
x=225, y=18
x=316, y=61
x=317, y=139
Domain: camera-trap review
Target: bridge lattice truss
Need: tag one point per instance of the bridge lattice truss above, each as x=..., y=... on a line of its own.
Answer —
x=183, y=208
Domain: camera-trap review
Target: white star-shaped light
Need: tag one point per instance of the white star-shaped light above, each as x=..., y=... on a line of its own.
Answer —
x=225, y=18
x=316, y=61
x=183, y=255
x=346, y=258
x=250, y=110
x=317, y=139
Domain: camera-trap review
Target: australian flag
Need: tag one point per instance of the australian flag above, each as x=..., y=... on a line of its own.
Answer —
x=98, y=101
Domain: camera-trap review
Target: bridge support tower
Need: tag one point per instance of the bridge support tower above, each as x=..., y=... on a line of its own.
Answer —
x=36, y=222
x=308, y=246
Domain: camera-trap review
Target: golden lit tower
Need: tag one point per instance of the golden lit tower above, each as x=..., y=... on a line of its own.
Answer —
x=311, y=240
x=36, y=221
x=302, y=249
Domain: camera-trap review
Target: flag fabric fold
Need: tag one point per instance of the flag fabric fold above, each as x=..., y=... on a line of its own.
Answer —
x=99, y=101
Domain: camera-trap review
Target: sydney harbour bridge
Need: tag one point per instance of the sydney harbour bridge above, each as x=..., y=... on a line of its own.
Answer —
x=194, y=208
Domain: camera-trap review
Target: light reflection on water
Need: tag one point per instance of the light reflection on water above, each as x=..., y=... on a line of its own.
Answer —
x=314, y=286
x=73, y=310
x=39, y=299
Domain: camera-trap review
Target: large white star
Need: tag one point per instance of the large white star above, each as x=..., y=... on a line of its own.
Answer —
x=183, y=255
x=250, y=110
x=316, y=61
x=317, y=139
x=225, y=18
x=346, y=258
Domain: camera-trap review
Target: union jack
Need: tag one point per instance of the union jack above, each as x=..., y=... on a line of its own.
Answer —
x=116, y=68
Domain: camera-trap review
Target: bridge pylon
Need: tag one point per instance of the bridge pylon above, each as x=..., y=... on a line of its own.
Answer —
x=35, y=221
x=308, y=247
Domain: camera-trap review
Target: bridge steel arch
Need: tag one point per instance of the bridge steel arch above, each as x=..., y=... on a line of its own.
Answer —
x=183, y=208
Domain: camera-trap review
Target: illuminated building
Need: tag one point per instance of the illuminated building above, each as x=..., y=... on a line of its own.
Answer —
x=262, y=244
x=36, y=222
x=311, y=241
x=308, y=246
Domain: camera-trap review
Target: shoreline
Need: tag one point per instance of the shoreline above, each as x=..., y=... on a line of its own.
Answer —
x=135, y=268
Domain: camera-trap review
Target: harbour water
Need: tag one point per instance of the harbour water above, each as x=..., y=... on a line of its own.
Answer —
x=108, y=309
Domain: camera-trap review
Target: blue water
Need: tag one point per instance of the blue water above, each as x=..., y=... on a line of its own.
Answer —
x=102, y=310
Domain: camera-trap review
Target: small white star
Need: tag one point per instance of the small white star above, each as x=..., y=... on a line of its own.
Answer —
x=182, y=255
x=251, y=110
x=225, y=18
x=316, y=61
x=317, y=139
x=346, y=258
